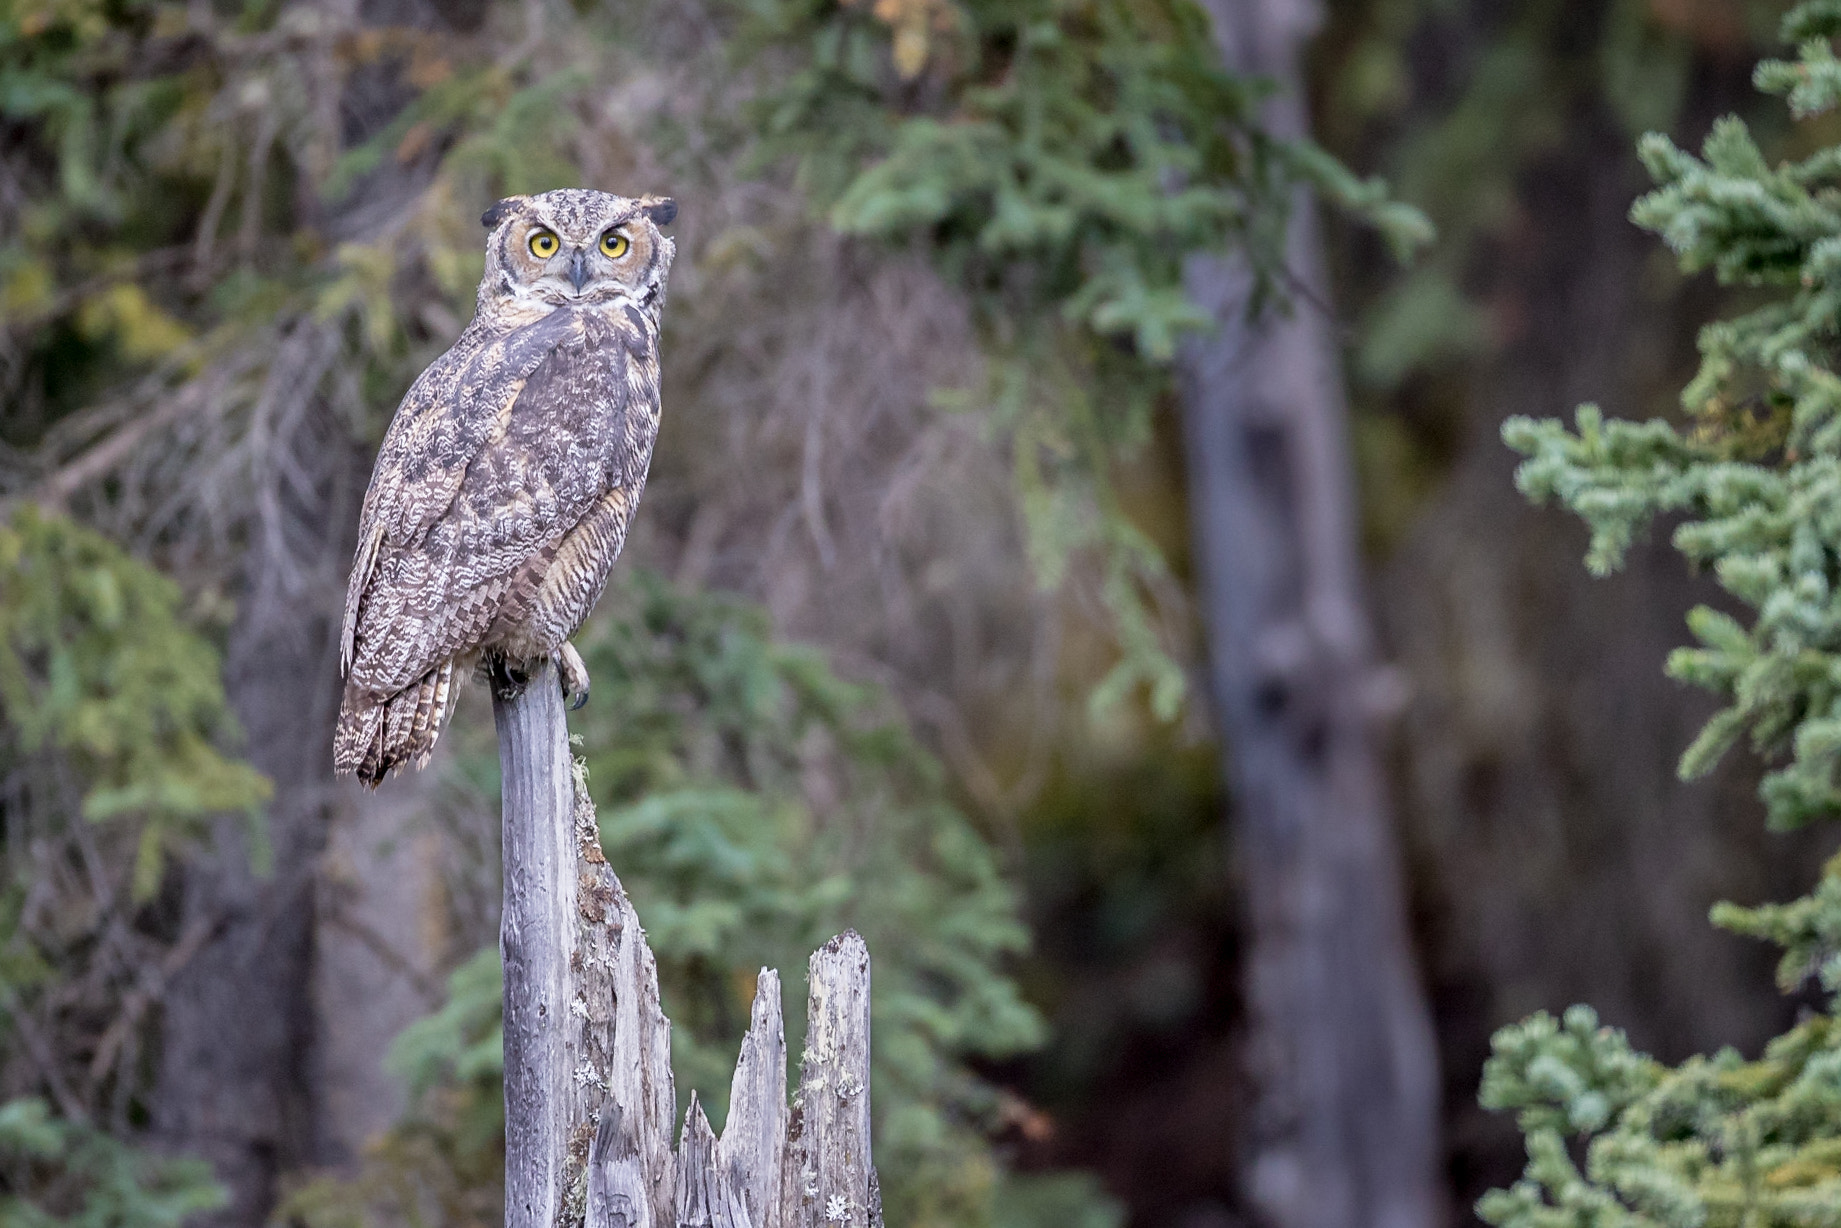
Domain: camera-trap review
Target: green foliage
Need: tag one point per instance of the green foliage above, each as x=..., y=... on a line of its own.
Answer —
x=1059, y=161
x=1565, y=1077
x=1755, y=472
x=1808, y=930
x=1056, y=1200
x=755, y=804
x=178, y=168
x=1812, y=84
x=1085, y=151
x=1715, y=1142
x=1480, y=144
x=1465, y=144
x=112, y=720
x=462, y=1043
x=443, y=1162
x=1719, y=1141
x=169, y=257
x=80, y=1177
x=98, y=666
x=102, y=150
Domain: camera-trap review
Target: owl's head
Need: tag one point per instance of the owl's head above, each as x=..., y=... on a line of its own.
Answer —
x=575, y=247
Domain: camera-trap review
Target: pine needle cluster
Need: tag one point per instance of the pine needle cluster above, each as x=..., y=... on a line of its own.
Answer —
x=1754, y=475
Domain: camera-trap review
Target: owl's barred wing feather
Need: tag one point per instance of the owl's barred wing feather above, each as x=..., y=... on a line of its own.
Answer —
x=455, y=407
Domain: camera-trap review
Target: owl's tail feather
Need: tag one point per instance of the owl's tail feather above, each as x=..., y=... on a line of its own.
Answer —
x=376, y=738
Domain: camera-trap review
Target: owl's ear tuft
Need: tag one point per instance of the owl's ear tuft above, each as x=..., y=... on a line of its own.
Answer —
x=499, y=212
x=662, y=210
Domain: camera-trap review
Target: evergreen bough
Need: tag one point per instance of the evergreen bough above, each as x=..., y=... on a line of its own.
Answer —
x=1613, y=1136
x=62, y=1174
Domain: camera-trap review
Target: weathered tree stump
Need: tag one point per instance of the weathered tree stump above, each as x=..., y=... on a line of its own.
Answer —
x=589, y=1097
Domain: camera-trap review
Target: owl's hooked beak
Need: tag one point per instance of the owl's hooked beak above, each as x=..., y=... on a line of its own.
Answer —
x=578, y=270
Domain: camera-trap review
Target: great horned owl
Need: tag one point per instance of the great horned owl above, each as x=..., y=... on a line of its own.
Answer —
x=504, y=486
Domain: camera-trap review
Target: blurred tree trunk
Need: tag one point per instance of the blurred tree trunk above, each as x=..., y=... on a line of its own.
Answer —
x=1344, y=1131
x=237, y=1081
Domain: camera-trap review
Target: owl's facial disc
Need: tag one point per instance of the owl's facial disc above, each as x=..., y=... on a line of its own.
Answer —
x=575, y=248
x=567, y=268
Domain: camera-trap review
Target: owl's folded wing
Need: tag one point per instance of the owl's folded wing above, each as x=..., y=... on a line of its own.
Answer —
x=538, y=426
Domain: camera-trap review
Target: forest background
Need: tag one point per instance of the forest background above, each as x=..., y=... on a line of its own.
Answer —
x=869, y=659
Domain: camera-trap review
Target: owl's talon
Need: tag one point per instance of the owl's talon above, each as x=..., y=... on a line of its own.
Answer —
x=574, y=673
x=507, y=679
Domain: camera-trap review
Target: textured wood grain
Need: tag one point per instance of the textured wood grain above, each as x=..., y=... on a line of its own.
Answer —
x=828, y=1181
x=707, y=1197
x=583, y=1027
x=536, y=937
x=589, y=1096
x=618, y=1192
x=638, y=1070
x=753, y=1146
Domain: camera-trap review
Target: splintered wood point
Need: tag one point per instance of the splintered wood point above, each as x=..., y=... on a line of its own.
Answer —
x=829, y=1177
x=752, y=1152
x=589, y=1098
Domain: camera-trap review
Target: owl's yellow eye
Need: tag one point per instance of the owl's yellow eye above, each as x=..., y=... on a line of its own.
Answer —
x=543, y=244
x=613, y=245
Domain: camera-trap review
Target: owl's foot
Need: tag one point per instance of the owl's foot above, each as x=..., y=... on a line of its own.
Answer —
x=574, y=673
x=506, y=677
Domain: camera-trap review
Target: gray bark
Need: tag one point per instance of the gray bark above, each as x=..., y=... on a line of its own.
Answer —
x=1343, y=1064
x=752, y=1149
x=385, y=929
x=542, y=1048
x=829, y=1178
x=589, y=1096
